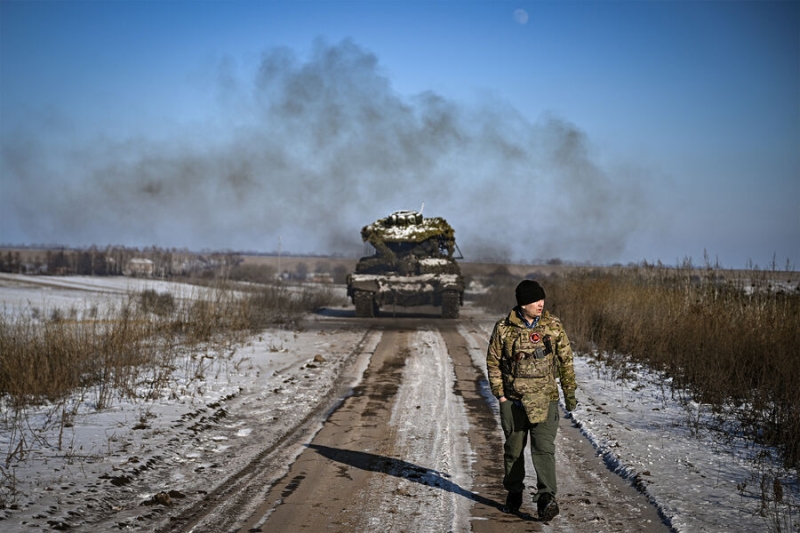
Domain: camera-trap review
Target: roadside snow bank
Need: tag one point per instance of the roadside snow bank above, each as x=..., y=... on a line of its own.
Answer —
x=699, y=480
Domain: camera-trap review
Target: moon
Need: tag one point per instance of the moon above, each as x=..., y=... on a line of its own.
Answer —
x=521, y=16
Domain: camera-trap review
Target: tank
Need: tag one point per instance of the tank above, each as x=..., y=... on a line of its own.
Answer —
x=413, y=264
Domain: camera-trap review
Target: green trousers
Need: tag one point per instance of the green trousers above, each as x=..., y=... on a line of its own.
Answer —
x=543, y=448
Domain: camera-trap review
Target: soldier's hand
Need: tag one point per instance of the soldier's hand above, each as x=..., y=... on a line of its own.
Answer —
x=570, y=400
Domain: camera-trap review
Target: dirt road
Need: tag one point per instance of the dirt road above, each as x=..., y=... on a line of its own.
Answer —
x=415, y=446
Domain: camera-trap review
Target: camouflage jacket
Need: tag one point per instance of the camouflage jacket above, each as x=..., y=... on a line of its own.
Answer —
x=523, y=363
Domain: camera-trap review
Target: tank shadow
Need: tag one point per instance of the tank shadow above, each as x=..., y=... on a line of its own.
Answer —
x=405, y=312
x=338, y=312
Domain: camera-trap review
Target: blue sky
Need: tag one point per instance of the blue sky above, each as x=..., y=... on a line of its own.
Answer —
x=589, y=131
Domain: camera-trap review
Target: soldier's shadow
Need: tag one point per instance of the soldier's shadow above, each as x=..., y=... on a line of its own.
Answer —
x=401, y=469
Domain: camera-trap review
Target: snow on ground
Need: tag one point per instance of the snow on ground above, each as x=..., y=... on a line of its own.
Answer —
x=26, y=295
x=693, y=475
x=689, y=474
x=215, y=414
x=207, y=425
x=203, y=429
x=436, y=447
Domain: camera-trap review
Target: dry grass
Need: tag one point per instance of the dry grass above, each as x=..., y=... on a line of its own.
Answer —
x=65, y=361
x=730, y=342
x=45, y=359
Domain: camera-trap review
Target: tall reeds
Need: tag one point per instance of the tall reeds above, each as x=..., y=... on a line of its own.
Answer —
x=731, y=339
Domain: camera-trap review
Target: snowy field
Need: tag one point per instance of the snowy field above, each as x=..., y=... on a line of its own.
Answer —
x=24, y=295
x=205, y=425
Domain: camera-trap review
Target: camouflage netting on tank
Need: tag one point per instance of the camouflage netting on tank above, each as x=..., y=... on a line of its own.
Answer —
x=407, y=266
x=396, y=234
x=407, y=286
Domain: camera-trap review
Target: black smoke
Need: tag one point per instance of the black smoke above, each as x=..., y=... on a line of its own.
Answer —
x=309, y=151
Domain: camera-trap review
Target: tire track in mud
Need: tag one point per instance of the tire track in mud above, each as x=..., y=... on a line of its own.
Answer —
x=236, y=495
x=485, y=440
x=430, y=492
x=382, y=459
x=392, y=457
x=355, y=442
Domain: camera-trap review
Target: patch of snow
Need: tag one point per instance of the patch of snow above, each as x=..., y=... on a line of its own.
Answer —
x=22, y=295
x=433, y=261
x=426, y=394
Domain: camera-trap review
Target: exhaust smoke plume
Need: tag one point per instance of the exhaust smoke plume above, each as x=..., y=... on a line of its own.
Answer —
x=313, y=150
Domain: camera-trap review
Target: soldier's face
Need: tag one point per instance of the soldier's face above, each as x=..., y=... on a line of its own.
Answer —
x=532, y=310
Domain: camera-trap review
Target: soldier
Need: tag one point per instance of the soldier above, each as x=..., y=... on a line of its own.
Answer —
x=528, y=350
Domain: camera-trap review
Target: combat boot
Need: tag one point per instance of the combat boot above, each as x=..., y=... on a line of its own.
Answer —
x=547, y=506
x=513, y=502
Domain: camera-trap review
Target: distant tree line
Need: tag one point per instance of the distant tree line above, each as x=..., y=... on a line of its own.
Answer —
x=115, y=261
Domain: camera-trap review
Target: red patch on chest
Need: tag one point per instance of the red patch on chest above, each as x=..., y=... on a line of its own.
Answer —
x=535, y=337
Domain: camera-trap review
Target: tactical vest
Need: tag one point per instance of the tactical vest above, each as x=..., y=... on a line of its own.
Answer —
x=528, y=367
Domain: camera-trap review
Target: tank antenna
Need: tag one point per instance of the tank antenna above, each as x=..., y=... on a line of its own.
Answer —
x=421, y=209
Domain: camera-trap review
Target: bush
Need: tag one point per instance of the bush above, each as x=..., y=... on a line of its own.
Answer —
x=153, y=302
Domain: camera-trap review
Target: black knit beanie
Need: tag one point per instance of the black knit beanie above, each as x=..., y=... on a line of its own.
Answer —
x=528, y=291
